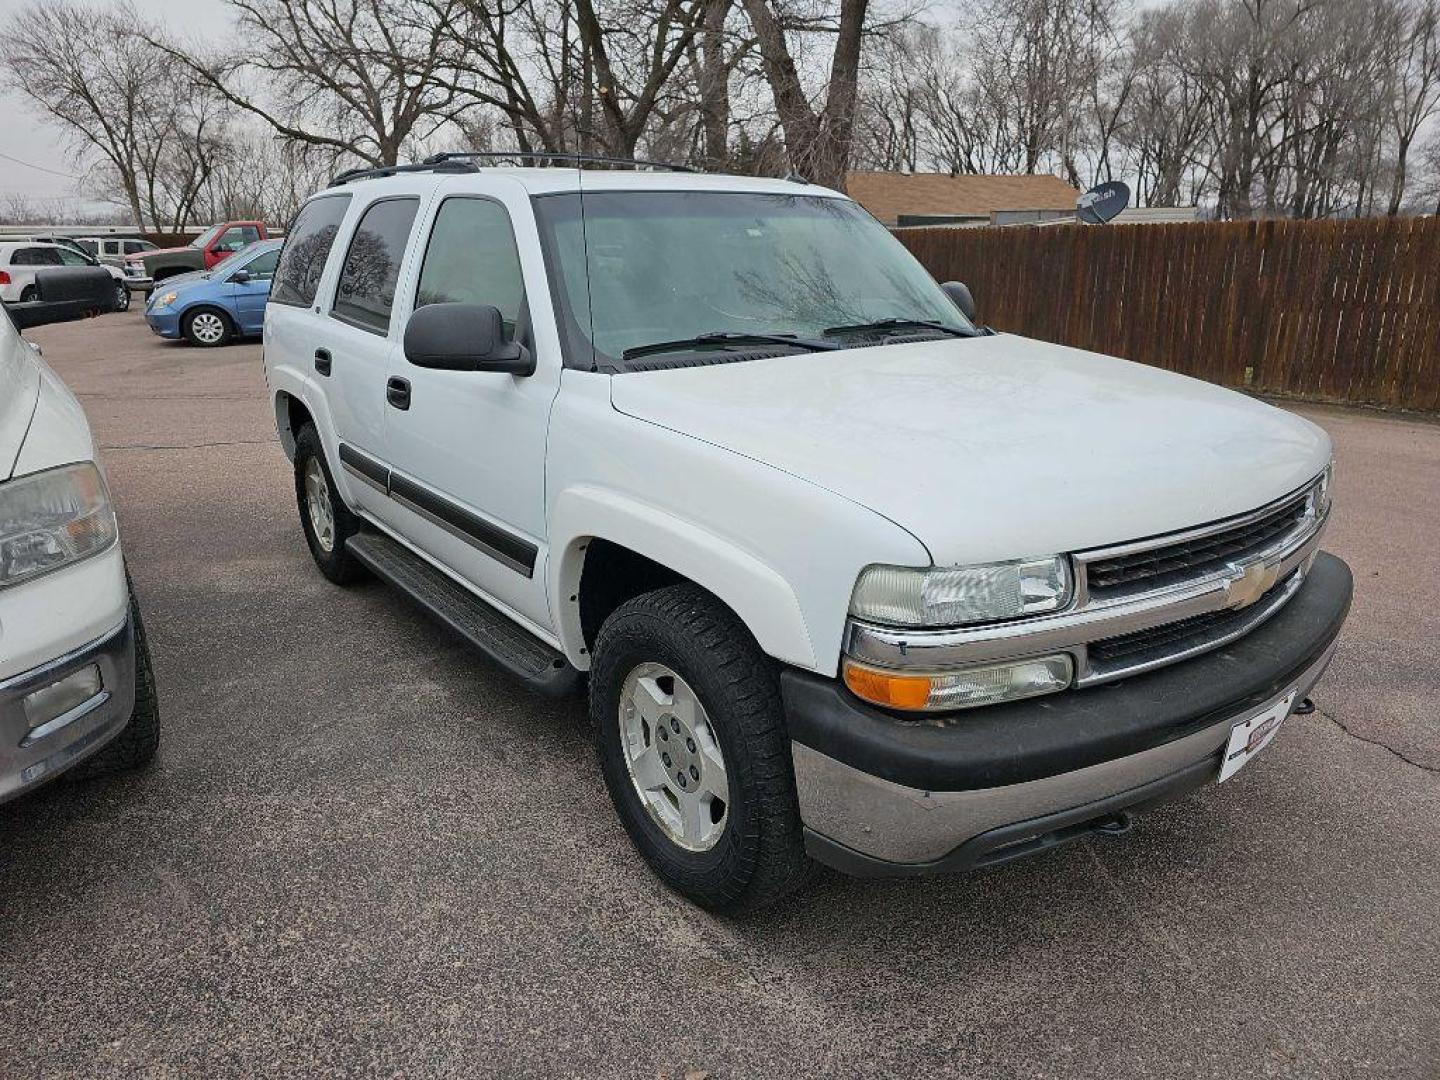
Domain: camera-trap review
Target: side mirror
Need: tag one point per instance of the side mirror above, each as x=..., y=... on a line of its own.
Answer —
x=464, y=337
x=959, y=294
x=240, y=277
x=65, y=294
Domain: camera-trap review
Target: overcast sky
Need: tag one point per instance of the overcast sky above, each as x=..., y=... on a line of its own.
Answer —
x=25, y=137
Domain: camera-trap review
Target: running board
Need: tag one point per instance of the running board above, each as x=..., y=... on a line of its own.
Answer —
x=515, y=649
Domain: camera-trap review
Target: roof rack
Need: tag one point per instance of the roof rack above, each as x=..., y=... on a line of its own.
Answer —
x=546, y=155
x=463, y=162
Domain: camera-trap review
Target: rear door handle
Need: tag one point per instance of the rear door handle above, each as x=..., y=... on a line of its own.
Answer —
x=397, y=392
x=322, y=361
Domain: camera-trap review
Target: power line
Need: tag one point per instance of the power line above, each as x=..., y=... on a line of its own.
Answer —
x=41, y=168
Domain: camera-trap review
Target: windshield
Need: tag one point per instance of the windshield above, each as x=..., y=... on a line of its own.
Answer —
x=203, y=240
x=666, y=266
x=232, y=262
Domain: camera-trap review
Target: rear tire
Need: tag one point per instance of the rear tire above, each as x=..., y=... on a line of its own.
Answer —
x=324, y=517
x=27, y=294
x=750, y=852
x=207, y=328
x=137, y=742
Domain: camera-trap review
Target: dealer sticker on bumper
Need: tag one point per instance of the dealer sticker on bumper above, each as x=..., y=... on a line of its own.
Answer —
x=1249, y=737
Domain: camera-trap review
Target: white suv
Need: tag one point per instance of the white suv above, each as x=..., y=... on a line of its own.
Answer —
x=849, y=577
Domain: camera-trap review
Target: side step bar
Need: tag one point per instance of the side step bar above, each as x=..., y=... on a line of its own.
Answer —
x=515, y=649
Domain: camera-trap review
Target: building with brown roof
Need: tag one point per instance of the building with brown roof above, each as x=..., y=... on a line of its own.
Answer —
x=899, y=199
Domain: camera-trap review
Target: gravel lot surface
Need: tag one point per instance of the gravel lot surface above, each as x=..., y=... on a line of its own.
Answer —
x=363, y=852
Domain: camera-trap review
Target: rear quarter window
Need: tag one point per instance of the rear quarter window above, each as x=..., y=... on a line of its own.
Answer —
x=307, y=247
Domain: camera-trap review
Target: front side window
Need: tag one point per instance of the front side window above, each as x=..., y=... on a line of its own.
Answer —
x=74, y=258
x=366, y=290
x=134, y=247
x=262, y=267
x=238, y=237
x=88, y=245
x=472, y=259
x=636, y=268
x=307, y=247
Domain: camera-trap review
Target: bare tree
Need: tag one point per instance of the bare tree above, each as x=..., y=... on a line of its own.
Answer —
x=363, y=77
x=88, y=70
x=818, y=140
x=1415, y=92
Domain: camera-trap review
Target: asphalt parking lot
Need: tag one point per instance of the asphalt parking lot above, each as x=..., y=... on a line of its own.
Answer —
x=361, y=851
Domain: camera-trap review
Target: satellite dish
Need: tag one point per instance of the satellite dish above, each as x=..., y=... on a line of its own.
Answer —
x=1102, y=203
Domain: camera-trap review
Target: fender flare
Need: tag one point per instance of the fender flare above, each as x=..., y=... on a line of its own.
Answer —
x=753, y=589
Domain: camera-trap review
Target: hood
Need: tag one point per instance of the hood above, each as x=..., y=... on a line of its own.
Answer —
x=19, y=388
x=178, y=282
x=997, y=447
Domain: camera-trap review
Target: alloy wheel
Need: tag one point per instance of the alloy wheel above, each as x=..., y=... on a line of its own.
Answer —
x=673, y=757
x=317, y=503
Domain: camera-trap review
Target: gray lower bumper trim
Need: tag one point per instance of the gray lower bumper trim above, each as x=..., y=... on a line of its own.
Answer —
x=892, y=823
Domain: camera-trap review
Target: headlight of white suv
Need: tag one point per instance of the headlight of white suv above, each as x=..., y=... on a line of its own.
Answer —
x=52, y=519
x=960, y=595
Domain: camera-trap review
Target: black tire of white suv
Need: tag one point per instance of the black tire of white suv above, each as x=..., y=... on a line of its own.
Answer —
x=324, y=517
x=684, y=637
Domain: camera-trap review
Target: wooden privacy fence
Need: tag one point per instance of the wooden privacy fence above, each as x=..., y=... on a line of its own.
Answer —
x=1332, y=310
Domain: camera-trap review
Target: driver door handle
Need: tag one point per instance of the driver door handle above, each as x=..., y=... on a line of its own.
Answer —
x=397, y=392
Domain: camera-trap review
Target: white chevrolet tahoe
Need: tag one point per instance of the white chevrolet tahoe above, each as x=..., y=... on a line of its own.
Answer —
x=849, y=577
x=76, y=690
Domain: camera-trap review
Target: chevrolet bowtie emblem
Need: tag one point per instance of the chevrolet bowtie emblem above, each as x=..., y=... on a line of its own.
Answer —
x=1249, y=584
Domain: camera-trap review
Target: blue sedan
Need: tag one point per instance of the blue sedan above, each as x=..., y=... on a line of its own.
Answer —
x=212, y=307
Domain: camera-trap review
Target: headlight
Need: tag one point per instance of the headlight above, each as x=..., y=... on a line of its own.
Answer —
x=962, y=688
x=167, y=299
x=1323, y=490
x=960, y=595
x=52, y=519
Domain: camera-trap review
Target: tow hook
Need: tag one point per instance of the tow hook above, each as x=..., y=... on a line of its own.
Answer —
x=1115, y=825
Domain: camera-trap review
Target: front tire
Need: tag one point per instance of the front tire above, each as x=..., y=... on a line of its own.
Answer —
x=206, y=328
x=137, y=742
x=324, y=517
x=693, y=748
x=122, y=296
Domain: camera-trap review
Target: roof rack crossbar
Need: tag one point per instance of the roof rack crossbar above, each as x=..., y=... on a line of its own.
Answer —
x=546, y=155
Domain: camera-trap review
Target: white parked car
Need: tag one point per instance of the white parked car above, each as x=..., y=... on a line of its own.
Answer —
x=116, y=251
x=76, y=689
x=19, y=261
x=849, y=577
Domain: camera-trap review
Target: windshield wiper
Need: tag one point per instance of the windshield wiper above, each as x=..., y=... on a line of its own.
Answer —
x=726, y=337
x=903, y=324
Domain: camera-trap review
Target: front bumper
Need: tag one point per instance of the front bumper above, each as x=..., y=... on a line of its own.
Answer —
x=885, y=796
x=165, y=323
x=28, y=758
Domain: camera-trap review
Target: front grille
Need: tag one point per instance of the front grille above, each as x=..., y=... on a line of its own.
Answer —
x=1157, y=644
x=1177, y=563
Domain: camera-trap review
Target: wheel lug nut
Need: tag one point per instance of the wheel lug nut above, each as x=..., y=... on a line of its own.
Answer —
x=665, y=735
x=665, y=758
x=681, y=778
x=690, y=745
x=694, y=773
x=675, y=725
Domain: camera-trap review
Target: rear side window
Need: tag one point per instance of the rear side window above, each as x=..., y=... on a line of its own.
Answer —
x=37, y=257
x=306, y=248
x=366, y=291
x=472, y=259
x=88, y=245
